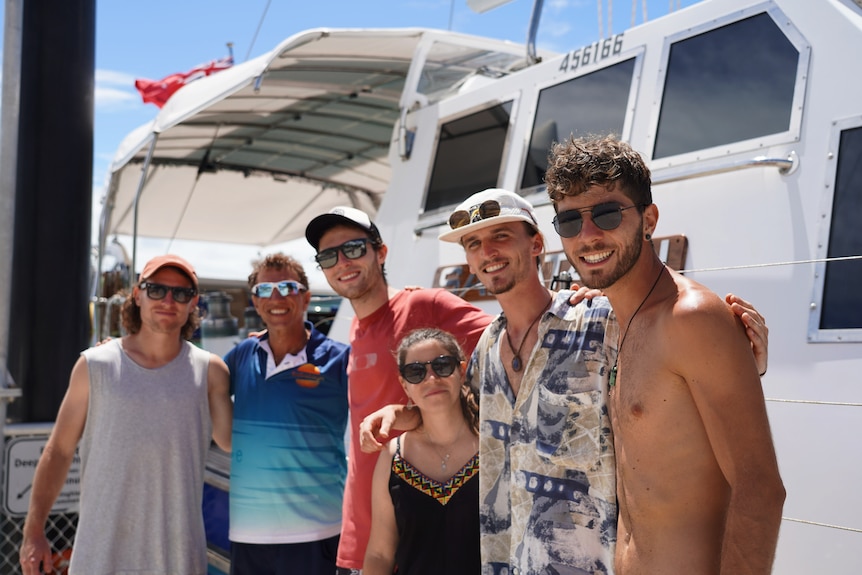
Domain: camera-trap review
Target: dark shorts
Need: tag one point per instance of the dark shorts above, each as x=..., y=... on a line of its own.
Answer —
x=312, y=558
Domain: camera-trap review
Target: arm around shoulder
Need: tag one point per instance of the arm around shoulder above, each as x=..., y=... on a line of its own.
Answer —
x=221, y=407
x=375, y=429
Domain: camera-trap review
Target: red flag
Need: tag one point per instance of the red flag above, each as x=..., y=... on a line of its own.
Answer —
x=158, y=91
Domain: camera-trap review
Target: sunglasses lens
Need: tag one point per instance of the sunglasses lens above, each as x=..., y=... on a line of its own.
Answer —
x=353, y=250
x=156, y=291
x=263, y=290
x=489, y=209
x=444, y=366
x=568, y=224
x=413, y=372
x=607, y=216
x=459, y=219
x=182, y=295
x=327, y=258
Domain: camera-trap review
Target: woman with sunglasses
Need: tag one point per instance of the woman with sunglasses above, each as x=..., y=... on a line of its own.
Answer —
x=425, y=490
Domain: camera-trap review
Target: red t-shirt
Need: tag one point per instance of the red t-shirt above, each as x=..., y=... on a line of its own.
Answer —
x=373, y=383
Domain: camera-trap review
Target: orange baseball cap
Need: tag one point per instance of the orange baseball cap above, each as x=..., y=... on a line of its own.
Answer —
x=169, y=260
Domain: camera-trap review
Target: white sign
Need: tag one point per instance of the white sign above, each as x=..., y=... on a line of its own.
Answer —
x=22, y=455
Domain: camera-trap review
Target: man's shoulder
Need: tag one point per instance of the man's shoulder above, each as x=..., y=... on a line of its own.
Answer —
x=322, y=341
x=244, y=349
x=107, y=351
x=695, y=302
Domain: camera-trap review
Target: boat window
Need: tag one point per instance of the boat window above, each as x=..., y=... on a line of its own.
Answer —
x=841, y=306
x=595, y=103
x=469, y=156
x=726, y=85
x=448, y=65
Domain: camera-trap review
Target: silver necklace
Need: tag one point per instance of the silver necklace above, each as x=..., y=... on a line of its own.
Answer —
x=444, y=458
x=613, y=379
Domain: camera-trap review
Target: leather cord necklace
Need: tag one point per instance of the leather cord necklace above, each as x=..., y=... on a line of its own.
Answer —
x=613, y=379
x=517, y=364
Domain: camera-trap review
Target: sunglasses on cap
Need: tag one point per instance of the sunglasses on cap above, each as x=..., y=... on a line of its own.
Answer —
x=285, y=288
x=485, y=210
x=606, y=217
x=159, y=291
x=415, y=372
x=352, y=250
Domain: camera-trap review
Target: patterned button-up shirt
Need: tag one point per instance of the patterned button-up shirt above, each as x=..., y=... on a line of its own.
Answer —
x=547, y=487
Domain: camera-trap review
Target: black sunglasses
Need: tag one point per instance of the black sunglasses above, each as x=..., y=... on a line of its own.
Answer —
x=159, y=291
x=415, y=372
x=485, y=210
x=352, y=250
x=285, y=288
x=607, y=217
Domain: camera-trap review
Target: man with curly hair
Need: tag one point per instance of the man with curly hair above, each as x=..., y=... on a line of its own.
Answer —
x=698, y=482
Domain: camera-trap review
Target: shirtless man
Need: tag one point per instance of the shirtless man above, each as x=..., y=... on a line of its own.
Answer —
x=697, y=478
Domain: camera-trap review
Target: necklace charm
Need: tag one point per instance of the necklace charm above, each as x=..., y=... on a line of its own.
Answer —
x=613, y=379
x=443, y=462
x=517, y=364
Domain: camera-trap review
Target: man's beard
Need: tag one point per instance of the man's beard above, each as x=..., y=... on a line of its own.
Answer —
x=603, y=279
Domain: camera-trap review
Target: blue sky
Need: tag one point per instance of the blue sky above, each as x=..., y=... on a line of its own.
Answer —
x=159, y=37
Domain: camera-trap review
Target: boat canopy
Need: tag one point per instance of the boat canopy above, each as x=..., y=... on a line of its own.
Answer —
x=251, y=154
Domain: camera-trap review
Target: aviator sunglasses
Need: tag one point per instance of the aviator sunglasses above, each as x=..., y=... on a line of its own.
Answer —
x=285, y=288
x=442, y=365
x=159, y=291
x=485, y=210
x=607, y=217
x=352, y=250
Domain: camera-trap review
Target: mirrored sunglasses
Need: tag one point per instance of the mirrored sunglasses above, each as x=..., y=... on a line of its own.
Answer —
x=159, y=291
x=485, y=210
x=415, y=372
x=352, y=250
x=285, y=288
x=606, y=217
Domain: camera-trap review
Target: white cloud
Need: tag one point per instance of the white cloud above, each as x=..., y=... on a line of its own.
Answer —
x=115, y=78
x=115, y=89
x=112, y=96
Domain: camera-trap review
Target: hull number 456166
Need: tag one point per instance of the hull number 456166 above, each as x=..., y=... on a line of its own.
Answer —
x=592, y=53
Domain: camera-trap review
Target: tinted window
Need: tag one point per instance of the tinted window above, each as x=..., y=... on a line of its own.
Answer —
x=469, y=154
x=729, y=84
x=842, y=298
x=591, y=104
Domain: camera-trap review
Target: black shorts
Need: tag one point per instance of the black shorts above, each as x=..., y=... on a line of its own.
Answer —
x=312, y=558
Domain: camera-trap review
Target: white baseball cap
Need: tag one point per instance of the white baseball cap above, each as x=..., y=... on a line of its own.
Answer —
x=488, y=208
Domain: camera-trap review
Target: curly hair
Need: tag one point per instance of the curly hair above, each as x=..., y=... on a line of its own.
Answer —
x=469, y=405
x=280, y=262
x=580, y=163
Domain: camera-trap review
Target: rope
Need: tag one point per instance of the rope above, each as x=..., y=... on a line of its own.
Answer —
x=774, y=264
x=814, y=402
x=818, y=524
x=259, y=24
